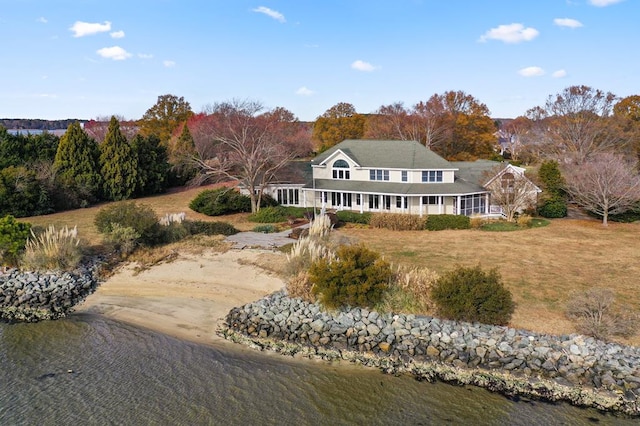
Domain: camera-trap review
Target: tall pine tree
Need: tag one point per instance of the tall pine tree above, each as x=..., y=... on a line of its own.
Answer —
x=76, y=163
x=183, y=151
x=153, y=165
x=118, y=164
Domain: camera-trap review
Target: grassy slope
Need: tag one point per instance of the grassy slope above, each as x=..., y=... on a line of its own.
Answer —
x=540, y=266
x=173, y=202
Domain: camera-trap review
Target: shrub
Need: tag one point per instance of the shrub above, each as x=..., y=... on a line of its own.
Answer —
x=553, y=208
x=173, y=232
x=269, y=215
x=524, y=220
x=397, y=222
x=629, y=216
x=122, y=238
x=447, y=221
x=13, y=237
x=197, y=227
x=53, y=249
x=471, y=294
x=354, y=217
x=357, y=277
x=477, y=222
x=266, y=229
x=221, y=201
x=596, y=314
x=141, y=218
x=276, y=214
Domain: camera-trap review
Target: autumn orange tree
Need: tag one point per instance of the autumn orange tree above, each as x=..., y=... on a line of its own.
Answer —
x=338, y=123
x=163, y=118
x=453, y=124
x=627, y=115
x=239, y=140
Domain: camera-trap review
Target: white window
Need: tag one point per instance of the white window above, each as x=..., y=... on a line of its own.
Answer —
x=405, y=177
x=432, y=175
x=341, y=170
x=378, y=174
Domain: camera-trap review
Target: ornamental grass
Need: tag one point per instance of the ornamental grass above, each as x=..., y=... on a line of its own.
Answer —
x=53, y=249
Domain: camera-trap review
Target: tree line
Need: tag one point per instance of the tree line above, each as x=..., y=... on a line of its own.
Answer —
x=578, y=130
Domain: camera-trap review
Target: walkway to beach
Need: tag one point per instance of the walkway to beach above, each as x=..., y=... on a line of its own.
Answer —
x=252, y=239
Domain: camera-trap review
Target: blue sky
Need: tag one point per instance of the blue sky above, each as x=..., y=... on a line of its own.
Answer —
x=89, y=58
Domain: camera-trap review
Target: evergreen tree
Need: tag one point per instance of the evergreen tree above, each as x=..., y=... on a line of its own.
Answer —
x=76, y=163
x=21, y=194
x=118, y=164
x=182, y=153
x=553, y=202
x=153, y=165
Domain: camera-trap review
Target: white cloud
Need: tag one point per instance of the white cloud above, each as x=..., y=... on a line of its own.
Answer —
x=531, y=72
x=511, y=33
x=116, y=53
x=567, y=22
x=145, y=55
x=271, y=13
x=559, y=74
x=81, y=29
x=169, y=64
x=42, y=20
x=117, y=34
x=603, y=3
x=304, y=91
x=362, y=66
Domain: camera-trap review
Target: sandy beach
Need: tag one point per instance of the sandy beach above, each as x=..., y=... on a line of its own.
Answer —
x=188, y=297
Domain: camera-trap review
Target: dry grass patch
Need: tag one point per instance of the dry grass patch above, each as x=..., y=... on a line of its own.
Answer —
x=177, y=200
x=539, y=266
x=272, y=262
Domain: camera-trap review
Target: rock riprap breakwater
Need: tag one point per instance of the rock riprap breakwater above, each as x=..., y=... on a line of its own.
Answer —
x=36, y=296
x=573, y=368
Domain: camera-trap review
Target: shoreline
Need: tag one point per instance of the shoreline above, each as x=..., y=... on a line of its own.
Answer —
x=191, y=297
x=509, y=385
x=187, y=298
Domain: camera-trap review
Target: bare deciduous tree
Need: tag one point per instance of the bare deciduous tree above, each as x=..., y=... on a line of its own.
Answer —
x=596, y=314
x=240, y=142
x=576, y=124
x=606, y=184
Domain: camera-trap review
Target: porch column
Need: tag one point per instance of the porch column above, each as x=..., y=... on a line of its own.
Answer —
x=458, y=205
x=486, y=204
x=361, y=203
x=440, y=203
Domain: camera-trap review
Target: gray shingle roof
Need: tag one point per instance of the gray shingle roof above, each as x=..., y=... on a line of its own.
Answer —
x=387, y=154
x=475, y=171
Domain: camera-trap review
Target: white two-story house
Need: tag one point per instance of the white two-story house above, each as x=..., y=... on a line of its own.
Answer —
x=391, y=176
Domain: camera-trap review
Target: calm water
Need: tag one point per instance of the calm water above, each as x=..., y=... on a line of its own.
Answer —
x=121, y=375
